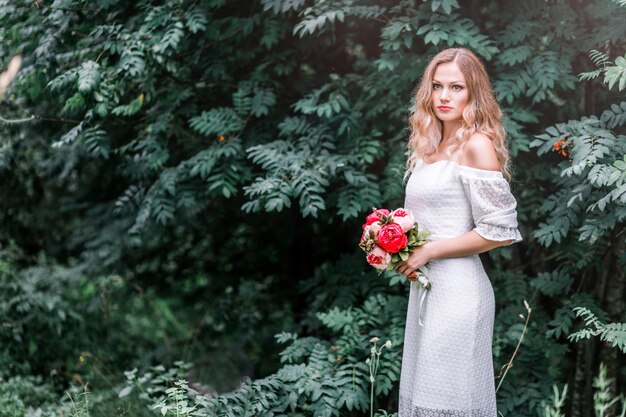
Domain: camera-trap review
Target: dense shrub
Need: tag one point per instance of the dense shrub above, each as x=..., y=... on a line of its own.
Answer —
x=192, y=178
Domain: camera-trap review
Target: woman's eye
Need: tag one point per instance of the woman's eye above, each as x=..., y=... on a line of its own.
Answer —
x=437, y=86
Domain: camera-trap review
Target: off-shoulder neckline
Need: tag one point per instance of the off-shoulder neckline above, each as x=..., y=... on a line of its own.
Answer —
x=471, y=170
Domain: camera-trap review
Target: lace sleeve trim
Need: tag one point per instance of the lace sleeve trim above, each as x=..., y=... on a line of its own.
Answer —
x=493, y=205
x=499, y=233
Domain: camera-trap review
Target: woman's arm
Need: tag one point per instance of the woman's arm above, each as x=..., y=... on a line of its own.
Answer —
x=470, y=243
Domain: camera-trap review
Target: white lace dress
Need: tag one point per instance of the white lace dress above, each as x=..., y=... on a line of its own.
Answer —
x=447, y=364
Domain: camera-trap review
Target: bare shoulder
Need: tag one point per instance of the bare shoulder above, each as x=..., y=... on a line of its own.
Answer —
x=480, y=153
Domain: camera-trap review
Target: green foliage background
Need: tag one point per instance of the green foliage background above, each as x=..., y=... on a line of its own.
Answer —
x=183, y=180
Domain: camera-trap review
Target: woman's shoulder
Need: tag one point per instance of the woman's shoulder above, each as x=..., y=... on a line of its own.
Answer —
x=480, y=153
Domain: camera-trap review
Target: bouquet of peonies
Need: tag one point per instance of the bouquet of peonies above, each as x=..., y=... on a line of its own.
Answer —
x=390, y=237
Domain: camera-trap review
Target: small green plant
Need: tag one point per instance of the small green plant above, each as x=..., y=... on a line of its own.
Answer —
x=11, y=406
x=79, y=403
x=603, y=399
x=26, y=394
x=373, y=361
x=178, y=401
x=558, y=401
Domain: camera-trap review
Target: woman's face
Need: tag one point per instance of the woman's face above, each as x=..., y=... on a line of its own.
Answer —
x=449, y=92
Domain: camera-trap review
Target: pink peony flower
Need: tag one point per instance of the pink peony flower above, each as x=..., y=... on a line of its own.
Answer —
x=375, y=227
x=392, y=238
x=404, y=218
x=378, y=258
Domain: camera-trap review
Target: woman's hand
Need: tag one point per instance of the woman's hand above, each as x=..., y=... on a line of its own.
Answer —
x=420, y=257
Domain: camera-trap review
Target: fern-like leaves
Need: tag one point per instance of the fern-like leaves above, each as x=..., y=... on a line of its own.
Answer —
x=612, y=333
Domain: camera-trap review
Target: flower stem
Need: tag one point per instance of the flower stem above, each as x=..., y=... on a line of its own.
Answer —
x=510, y=363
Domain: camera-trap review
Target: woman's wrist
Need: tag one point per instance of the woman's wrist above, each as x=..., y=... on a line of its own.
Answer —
x=432, y=250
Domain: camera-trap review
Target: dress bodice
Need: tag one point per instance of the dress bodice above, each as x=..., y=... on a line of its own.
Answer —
x=449, y=199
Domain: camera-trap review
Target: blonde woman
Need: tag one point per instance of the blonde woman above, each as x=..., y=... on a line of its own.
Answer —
x=458, y=190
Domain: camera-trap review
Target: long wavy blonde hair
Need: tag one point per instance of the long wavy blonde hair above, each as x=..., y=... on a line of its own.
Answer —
x=482, y=113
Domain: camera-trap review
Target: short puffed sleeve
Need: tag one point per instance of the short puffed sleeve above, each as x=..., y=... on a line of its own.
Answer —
x=492, y=204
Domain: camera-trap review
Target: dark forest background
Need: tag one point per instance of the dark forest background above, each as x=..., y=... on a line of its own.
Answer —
x=183, y=183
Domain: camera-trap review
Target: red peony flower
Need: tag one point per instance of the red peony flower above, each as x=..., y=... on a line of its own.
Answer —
x=391, y=238
x=375, y=216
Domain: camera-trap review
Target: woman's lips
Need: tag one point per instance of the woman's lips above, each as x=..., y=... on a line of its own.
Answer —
x=444, y=108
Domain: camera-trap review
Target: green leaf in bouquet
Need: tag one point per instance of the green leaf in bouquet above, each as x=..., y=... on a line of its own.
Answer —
x=404, y=255
x=394, y=277
x=384, y=219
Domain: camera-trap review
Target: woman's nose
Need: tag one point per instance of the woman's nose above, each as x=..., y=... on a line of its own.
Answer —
x=444, y=95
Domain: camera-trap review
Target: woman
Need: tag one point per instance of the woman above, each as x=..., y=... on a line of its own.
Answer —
x=457, y=190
